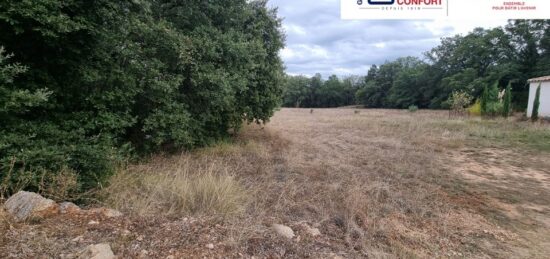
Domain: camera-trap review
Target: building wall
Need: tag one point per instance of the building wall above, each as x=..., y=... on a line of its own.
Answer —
x=544, y=109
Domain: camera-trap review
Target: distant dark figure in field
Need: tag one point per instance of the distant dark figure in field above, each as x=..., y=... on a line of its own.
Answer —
x=357, y=112
x=311, y=111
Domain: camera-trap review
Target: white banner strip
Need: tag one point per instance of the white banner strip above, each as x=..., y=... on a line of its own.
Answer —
x=452, y=9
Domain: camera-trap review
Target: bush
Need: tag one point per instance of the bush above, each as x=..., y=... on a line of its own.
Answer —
x=475, y=109
x=93, y=82
x=413, y=108
x=494, y=109
x=459, y=101
x=490, y=103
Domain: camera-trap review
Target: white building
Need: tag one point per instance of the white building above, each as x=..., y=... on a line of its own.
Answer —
x=544, y=108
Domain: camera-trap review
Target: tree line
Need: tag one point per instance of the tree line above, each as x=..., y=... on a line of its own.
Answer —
x=87, y=84
x=468, y=63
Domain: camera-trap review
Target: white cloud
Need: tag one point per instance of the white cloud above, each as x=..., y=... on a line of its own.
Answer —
x=294, y=29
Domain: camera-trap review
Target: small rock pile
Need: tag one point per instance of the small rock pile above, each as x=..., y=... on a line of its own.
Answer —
x=27, y=205
x=24, y=206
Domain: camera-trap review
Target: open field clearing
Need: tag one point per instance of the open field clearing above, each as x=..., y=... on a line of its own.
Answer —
x=375, y=183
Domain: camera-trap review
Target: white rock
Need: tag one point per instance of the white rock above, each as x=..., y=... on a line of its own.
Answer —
x=24, y=205
x=210, y=246
x=68, y=208
x=99, y=251
x=283, y=230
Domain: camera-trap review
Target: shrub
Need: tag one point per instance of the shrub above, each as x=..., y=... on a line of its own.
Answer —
x=475, y=109
x=490, y=104
x=459, y=101
x=494, y=109
x=413, y=108
x=92, y=82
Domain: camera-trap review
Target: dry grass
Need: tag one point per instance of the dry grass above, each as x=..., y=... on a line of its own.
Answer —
x=383, y=181
x=60, y=186
x=377, y=184
x=177, y=187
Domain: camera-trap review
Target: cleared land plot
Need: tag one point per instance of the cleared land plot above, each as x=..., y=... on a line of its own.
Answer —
x=376, y=183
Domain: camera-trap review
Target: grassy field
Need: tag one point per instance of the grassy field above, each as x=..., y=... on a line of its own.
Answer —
x=376, y=183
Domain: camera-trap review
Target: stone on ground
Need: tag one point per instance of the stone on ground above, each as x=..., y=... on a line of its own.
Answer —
x=283, y=230
x=99, y=251
x=25, y=205
x=68, y=208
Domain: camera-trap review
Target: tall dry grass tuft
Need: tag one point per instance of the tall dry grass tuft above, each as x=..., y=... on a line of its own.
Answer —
x=60, y=186
x=176, y=187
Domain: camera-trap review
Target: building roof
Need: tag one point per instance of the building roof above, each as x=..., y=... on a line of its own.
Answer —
x=539, y=79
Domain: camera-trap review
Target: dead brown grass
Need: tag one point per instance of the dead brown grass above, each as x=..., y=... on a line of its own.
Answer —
x=60, y=186
x=377, y=184
x=175, y=187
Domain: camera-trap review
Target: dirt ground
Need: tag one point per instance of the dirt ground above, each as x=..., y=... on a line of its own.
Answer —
x=376, y=183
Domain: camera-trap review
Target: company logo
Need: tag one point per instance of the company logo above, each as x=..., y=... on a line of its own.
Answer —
x=402, y=2
x=381, y=2
x=441, y=9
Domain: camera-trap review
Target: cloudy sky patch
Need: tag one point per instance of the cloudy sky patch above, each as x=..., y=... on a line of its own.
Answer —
x=318, y=41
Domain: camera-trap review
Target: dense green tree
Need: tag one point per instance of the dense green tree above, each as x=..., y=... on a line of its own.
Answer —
x=296, y=91
x=507, y=108
x=490, y=103
x=463, y=63
x=301, y=91
x=407, y=88
x=104, y=78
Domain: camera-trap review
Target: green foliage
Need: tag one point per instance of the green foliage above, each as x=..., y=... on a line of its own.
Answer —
x=300, y=91
x=464, y=63
x=460, y=100
x=92, y=82
x=484, y=100
x=413, y=108
x=475, y=109
x=490, y=103
x=507, y=106
x=536, y=105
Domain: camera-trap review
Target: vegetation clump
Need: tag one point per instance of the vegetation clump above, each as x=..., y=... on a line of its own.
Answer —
x=86, y=84
x=459, y=101
x=490, y=103
x=475, y=109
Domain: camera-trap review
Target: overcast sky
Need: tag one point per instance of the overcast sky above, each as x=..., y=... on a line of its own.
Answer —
x=318, y=41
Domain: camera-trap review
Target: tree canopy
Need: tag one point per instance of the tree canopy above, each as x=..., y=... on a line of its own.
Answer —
x=86, y=82
x=462, y=63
